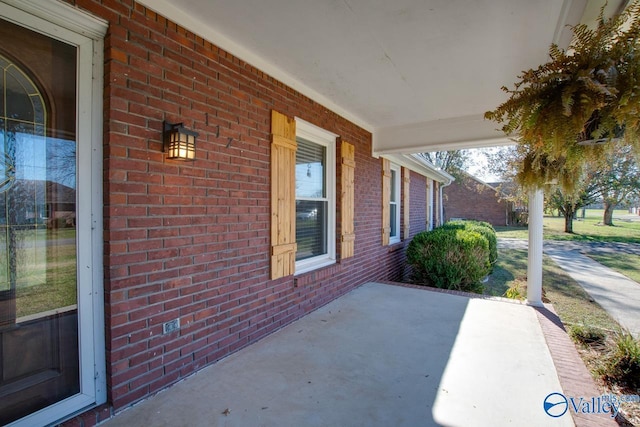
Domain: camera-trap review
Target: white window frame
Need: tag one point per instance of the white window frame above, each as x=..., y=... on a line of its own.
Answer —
x=317, y=135
x=72, y=26
x=395, y=190
x=429, y=204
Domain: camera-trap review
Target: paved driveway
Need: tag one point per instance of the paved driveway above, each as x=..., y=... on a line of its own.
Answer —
x=382, y=355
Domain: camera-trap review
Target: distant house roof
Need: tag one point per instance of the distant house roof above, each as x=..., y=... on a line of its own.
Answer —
x=494, y=186
x=50, y=191
x=472, y=198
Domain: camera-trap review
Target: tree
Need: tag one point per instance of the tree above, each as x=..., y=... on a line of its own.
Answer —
x=616, y=178
x=449, y=161
x=507, y=161
x=568, y=203
x=504, y=162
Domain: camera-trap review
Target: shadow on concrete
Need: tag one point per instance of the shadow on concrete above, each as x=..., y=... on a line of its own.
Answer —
x=551, y=316
x=381, y=355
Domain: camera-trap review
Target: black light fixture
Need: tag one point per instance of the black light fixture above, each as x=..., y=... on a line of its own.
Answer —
x=179, y=142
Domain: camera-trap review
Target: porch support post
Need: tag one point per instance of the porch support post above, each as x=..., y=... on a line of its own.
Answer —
x=534, y=267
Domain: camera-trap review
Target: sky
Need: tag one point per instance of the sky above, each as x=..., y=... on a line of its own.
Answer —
x=38, y=158
x=480, y=168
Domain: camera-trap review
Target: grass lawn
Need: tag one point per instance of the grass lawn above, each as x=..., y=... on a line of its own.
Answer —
x=590, y=229
x=627, y=264
x=571, y=302
x=46, y=270
x=587, y=229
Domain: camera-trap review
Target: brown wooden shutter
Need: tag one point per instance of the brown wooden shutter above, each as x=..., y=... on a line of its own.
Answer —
x=427, y=205
x=347, y=211
x=283, y=195
x=436, y=204
x=406, y=203
x=386, y=201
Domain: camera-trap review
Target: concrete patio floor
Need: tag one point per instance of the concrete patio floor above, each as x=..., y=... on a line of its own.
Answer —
x=382, y=355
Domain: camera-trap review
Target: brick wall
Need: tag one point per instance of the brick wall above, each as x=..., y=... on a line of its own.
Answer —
x=418, y=201
x=469, y=199
x=191, y=240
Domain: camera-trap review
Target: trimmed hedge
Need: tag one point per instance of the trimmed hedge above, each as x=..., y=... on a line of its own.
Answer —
x=483, y=228
x=449, y=258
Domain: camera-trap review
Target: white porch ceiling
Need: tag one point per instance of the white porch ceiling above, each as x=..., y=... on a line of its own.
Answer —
x=418, y=74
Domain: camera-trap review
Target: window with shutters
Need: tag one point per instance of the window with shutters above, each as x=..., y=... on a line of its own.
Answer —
x=315, y=185
x=394, y=204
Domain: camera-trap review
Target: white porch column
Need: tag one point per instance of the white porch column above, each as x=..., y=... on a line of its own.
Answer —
x=534, y=267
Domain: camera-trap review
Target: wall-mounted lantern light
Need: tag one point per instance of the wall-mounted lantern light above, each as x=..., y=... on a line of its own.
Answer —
x=179, y=142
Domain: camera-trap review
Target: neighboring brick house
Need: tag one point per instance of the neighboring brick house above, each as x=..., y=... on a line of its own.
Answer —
x=172, y=265
x=470, y=198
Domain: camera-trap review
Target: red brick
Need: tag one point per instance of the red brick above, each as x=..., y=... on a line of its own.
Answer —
x=468, y=198
x=191, y=239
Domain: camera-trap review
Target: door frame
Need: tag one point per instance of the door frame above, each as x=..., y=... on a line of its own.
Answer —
x=70, y=25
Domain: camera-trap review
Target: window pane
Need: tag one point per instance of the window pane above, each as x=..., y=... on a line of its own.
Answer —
x=310, y=170
x=18, y=103
x=394, y=180
x=311, y=228
x=393, y=215
x=38, y=262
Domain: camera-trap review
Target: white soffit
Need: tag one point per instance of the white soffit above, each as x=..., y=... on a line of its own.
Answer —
x=440, y=135
x=421, y=166
x=417, y=74
x=186, y=13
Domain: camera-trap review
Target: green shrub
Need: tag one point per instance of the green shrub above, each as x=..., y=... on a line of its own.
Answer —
x=482, y=227
x=587, y=335
x=622, y=367
x=449, y=258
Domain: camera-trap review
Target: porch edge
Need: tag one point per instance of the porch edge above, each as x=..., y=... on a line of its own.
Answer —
x=573, y=375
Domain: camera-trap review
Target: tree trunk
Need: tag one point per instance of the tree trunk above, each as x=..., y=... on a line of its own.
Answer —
x=568, y=219
x=608, y=213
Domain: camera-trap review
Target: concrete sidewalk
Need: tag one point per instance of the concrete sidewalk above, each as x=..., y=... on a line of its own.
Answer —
x=382, y=355
x=617, y=294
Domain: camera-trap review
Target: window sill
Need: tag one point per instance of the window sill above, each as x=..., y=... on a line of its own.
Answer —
x=306, y=267
x=393, y=247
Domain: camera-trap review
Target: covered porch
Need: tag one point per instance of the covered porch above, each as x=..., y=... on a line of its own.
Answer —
x=181, y=264
x=418, y=76
x=386, y=355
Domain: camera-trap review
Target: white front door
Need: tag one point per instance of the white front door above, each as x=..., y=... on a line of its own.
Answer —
x=51, y=311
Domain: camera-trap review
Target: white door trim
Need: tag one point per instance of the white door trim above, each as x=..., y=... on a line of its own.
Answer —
x=72, y=26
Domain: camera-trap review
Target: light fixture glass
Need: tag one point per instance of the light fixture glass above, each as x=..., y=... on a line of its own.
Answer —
x=179, y=142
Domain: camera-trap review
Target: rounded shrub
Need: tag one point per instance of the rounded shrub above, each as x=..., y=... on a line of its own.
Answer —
x=483, y=228
x=449, y=258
